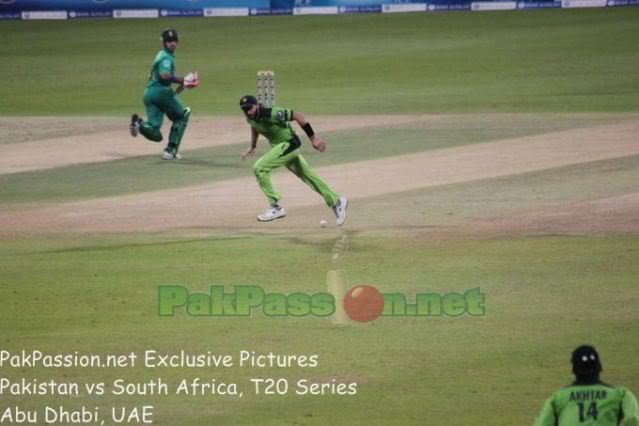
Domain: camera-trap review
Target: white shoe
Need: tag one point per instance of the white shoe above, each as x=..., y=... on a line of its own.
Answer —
x=272, y=213
x=134, y=127
x=340, y=210
x=166, y=155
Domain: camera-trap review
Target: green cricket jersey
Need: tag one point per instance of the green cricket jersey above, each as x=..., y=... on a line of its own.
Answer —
x=590, y=405
x=164, y=62
x=274, y=124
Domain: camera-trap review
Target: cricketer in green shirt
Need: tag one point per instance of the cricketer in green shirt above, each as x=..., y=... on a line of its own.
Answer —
x=160, y=99
x=588, y=401
x=274, y=124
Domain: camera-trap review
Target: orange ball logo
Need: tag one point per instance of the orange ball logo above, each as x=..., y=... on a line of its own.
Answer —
x=363, y=303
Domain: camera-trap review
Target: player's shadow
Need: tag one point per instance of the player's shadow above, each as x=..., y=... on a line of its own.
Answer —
x=115, y=247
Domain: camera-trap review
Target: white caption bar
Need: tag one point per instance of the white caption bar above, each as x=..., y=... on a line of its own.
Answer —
x=401, y=8
x=583, y=3
x=136, y=13
x=226, y=11
x=318, y=10
x=45, y=14
x=493, y=5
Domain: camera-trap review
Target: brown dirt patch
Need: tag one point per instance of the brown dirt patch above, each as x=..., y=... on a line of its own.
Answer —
x=15, y=130
x=233, y=203
x=49, y=142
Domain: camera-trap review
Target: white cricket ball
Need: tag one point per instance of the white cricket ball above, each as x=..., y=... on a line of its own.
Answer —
x=323, y=223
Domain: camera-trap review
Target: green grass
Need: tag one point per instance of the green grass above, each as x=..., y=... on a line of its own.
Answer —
x=99, y=296
x=208, y=165
x=550, y=60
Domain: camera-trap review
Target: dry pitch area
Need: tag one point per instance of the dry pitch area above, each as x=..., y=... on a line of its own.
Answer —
x=35, y=143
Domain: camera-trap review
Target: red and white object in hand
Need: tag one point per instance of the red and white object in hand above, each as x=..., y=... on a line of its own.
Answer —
x=191, y=80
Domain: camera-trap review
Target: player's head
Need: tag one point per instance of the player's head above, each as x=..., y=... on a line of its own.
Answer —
x=249, y=105
x=586, y=364
x=170, y=39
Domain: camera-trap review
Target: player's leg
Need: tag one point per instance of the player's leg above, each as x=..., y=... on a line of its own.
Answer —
x=277, y=156
x=302, y=170
x=179, y=115
x=150, y=129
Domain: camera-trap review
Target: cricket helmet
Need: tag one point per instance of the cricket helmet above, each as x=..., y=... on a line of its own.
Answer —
x=169, y=35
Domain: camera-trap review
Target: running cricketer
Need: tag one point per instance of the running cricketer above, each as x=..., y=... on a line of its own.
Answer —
x=274, y=124
x=160, y=99
x=588, y=401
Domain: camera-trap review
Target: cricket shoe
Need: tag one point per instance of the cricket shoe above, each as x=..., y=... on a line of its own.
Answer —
x=340, y=210
x=134, y=127
x=272, y=213
x=166, y=155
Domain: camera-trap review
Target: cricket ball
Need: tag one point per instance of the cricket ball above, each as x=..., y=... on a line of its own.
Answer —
x=363, y=303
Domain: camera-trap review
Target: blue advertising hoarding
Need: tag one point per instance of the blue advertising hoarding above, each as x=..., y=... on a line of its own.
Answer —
x=69, y=9
x=20, y=5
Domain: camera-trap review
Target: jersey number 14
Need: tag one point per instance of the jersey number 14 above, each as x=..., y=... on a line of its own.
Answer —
x=591, y=412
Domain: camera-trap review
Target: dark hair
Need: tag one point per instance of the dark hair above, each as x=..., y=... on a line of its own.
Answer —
x=586, y=364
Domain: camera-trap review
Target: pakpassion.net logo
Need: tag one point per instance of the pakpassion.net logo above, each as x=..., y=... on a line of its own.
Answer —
x=361, y=303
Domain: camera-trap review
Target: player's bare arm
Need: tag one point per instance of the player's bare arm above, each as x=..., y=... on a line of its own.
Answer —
x=316, y=141
x=248, y=153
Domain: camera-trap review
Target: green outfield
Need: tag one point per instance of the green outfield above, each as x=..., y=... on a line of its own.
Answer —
x=479, y=150
x=539, y=61
x=503, y=363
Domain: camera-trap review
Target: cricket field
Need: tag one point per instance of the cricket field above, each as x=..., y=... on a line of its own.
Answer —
x=495, y=150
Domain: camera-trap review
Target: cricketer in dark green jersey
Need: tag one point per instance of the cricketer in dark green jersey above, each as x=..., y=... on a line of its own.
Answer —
x=274, y=124
x=588, y=401
x=160, y=99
